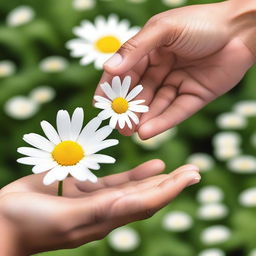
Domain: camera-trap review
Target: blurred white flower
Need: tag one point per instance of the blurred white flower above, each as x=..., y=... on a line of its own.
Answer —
x=226, y=139
x=203, y=161
x=53, y=64
x=7, y=68
x=42, y=94
x=252, y=253
x=124, y=239
x=98, y=41
x=212, y=252
x=174, y=3
x=224, y=153
x=242, y=164
x=246, y=108
x=210, y=194
x=20, y=15
x=231, y=121
x=212, y=211
x=20, y=107
x=215, y=234
x=156, y=141
x=177, y=221
x=82, y=5
x=248, y=197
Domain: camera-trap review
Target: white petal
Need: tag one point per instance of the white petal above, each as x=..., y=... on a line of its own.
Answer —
x=136, y=102
x=43, y=167
x=121, y=121
x=63, y=125
x=76, y=123
x=102, y=105
x=61, y=172
x=108, y=90
x=34, y=161
x=125, y=86
x=90, y=164
x=38, y=141
x=103, y=133
x=83, y=174
x=86, y=59
x=101, y=99
x=100, y=158
x=139, y=108
x=128, y=121
x=50, y=178
x=134, y=92
x=105, y=114
x=50, y=132
x=34, y=152
x=133, y=116
x=116, y=85
x=113, y=121
x=105, y=144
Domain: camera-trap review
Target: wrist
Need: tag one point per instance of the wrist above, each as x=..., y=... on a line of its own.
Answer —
x=242, y=19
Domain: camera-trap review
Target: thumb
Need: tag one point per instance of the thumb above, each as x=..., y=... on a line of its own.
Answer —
x=132, y=51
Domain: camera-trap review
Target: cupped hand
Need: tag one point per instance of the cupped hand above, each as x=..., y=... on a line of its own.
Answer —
x=184, y=58
x=43, y=221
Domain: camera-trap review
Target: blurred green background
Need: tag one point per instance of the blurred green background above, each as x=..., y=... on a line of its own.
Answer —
x=46, y=35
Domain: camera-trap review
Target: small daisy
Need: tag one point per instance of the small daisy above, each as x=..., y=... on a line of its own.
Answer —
x=253, y=253
x=174, y=3
x=70, y=150
x=215, y=234
x=231, y=121
x=225, y=153
x=243, y=164
x=212, y=211
x=226, y=139
x=203, y=161
x=156, y=141
x=119, y=106
x=248, y=197
x=177, y=221
x=53, y=64
x=246, y=108
x=82, y=5
x=42, y=94
x=7, y=68
x=124, y=239
x=20, y=16
x=20, y=107
x=210, y=194
x=212, y=252
x=99, y=41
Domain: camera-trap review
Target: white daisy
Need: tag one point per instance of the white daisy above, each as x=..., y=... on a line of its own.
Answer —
x=210, y=194
x=82, y=5
x=177, y=221
x=226, y=139
x=20, y=107
x=20, y=15
x=42, y=94
x=202, y=160
x=99, y=41
x=246, y=108
x=215, y=234
x=174, y=3
x=124, y=239
x=53, y=64
x=69, y=150
x=243, y=164
x=231, y=121
x=156, y=141
x=253, y=252
x=212, y=252
x=213, y=211
x=248, y=197
x=7, y=68
x=119, y=106
x=224, y=153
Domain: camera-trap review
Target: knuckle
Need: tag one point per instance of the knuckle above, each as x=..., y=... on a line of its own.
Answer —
x=129, y=46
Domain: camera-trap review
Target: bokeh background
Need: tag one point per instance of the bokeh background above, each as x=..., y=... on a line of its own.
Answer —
x=214, y=218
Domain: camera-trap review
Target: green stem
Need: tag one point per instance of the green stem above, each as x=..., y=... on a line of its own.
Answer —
x=60, y=188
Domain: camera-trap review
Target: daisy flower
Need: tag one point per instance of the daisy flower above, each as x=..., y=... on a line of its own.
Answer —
x=210, y=194
x=213, y=211
x=42, y=94
x=7, y=68
x=231, y=121
x=98, y=41
x=212, y=252
x=204, y=161
x=53, y=64
x=243, y=164
x=70, y=150
x=248, y=197
x=119, y=106
x=82, y=5
x=215, y=234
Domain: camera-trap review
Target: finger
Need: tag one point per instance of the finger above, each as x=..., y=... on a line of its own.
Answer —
x=140, y=172
x=132, y=51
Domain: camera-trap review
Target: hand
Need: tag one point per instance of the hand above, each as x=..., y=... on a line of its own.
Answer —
x=42, y=221
x=185, y=58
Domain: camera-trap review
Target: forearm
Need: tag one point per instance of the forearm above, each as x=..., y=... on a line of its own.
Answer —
x=243, y=22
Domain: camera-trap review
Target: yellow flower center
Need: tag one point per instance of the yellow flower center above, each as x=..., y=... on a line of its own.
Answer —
x=68, y=153
x=107, y=44
x=120, y=105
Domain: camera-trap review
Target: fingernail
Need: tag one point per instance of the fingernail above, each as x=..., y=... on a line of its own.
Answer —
x=194, y=178
x=114, y=61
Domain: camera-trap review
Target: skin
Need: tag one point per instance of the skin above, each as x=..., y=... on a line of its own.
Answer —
x=185, y=58
x=34, y=219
